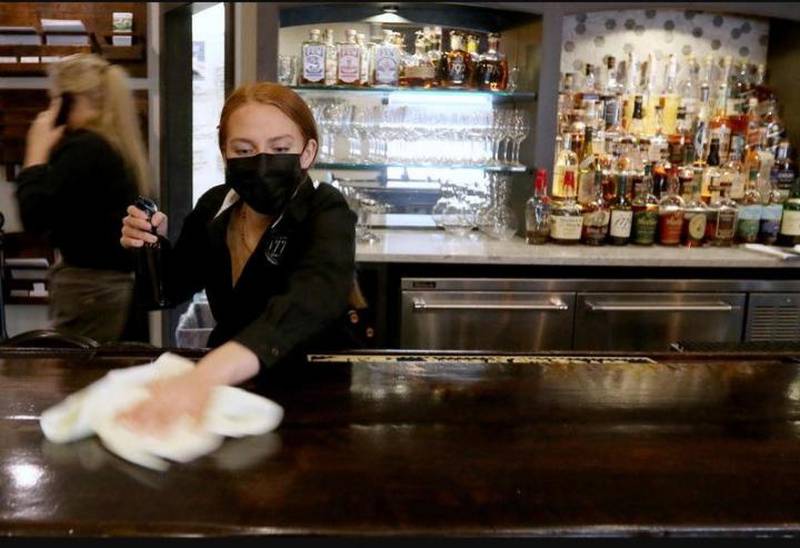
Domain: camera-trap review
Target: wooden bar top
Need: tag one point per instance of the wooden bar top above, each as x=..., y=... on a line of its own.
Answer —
x=685, y=444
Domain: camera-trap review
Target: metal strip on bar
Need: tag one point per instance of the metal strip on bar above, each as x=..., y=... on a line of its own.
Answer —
x=420, y=304
x=699, y=307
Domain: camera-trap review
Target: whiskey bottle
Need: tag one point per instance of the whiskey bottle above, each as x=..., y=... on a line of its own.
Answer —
x=493, y=67
x=385, y=63
x=621, y=213
x=783, y=171
x=460, y=69
x=348, y=53
x=566, y=220
x=312, y=55
x=419, y=70
x=589, y=163
x=365, y=62
x=723, y=226
x=670, y=214
x=645, y=212
x=695, y=216
x=712, y=174
x=537, y=211
x=566, y=162
x=596, y=215
x=789, y=234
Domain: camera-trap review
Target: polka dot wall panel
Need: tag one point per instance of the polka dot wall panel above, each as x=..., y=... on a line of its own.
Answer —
x=589, y=37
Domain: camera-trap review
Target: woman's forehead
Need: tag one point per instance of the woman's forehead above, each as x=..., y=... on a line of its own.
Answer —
x=256, y=121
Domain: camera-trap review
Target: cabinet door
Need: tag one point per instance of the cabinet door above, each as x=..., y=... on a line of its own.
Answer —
x=652, y=321
x=486, y=320
x=773, y=317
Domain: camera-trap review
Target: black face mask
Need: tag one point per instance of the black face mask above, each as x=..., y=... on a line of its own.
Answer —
x=264, y=181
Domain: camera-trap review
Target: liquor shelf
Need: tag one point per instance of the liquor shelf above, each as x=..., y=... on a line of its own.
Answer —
x=496, y=96
x=439, y=247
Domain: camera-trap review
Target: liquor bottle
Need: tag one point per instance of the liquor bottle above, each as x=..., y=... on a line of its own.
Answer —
x=589, y=86
x=719, y=126
x=566, y=219
x=737, y=89
x=588, y=164
x=537, y=211
x=700, y=129
x=760, y=90
x=330, y=58
x=566, y=162
x=419, y=70
x=732, y=175
x=438, y=58
x=650, y=94
x=771, y=214
x=755, y=133
x=472, y=48
x=789, y=234
x=631, y=88
x=750, y=209
x=636, y=127
x=312, y=55
x=661, y=170
x=678, y=140
x=610, y=96
x=670, y=100
x=596, y=215
x=385, y=71
x=695, y=216
x=689, y=88
x=621, y=213
x=645, y=212
x=686, y=173
x=366, y=60
x=773, y=125
x=459, y=64
x=670, y=214
x=783, y=171
x=712, y=174
x=723, y=226
x=659, y=142
x=493, y=67
x=348, y=60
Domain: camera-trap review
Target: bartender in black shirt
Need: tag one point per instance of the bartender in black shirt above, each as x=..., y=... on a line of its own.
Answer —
x=274, y=251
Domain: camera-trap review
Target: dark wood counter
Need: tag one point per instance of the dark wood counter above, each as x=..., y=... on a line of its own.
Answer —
x=687, y=445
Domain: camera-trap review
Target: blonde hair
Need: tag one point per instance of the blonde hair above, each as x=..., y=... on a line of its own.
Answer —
x=106, y=87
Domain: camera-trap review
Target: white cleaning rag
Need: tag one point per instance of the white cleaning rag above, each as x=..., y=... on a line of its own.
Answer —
x=232, y=412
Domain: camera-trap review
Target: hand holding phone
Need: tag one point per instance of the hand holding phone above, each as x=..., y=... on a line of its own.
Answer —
x=67, y=100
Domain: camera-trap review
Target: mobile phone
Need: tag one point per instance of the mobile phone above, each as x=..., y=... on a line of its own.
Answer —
x=63, y=111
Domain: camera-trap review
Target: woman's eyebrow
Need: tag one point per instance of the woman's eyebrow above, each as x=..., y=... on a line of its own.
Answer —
x=279, y=137
x=242, y=140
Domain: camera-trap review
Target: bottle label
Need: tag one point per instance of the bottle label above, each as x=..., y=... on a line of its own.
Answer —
x=644, y=227
x=313, y=63
x=595, y=225
x=420, y=72
x=457, y=70
x=385, y=66
x=349, y=65
x=749, y=221
x=670, y=225
x=566, y=228
x=696, y=225
x=621, y=222
x=726, y=224
x=770, y=221
x=790, y=226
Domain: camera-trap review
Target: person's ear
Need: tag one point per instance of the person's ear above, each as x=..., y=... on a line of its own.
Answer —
x=308, y=154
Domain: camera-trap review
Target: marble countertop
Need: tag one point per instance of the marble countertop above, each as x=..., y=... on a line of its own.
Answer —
x=435, y=246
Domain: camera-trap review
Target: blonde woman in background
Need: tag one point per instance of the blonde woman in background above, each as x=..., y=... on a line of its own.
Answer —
x=76, y=182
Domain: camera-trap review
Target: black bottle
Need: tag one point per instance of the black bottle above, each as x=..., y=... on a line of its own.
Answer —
x=150, y=265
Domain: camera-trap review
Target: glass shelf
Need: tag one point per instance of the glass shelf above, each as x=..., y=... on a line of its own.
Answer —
x=452, y=93
x=377, y=167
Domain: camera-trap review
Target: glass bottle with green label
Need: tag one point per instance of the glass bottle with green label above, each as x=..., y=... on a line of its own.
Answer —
x=645, y=211
x=790, y=223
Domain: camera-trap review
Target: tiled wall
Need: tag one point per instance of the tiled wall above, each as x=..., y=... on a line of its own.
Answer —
x=589, y=37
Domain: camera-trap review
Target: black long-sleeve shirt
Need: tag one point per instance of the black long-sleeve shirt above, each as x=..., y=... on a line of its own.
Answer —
x=293, y=290
x=78, y=198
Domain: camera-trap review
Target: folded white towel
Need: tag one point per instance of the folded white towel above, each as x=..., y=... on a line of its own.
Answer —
x=232, y=412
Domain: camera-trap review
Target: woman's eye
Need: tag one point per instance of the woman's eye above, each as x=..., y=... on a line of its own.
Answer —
x=282, y=149
x=242, y=151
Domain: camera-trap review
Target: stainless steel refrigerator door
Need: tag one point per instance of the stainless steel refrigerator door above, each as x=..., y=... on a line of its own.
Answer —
x=652, y=321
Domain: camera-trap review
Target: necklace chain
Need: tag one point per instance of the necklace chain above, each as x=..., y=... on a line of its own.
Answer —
x=243, y=231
